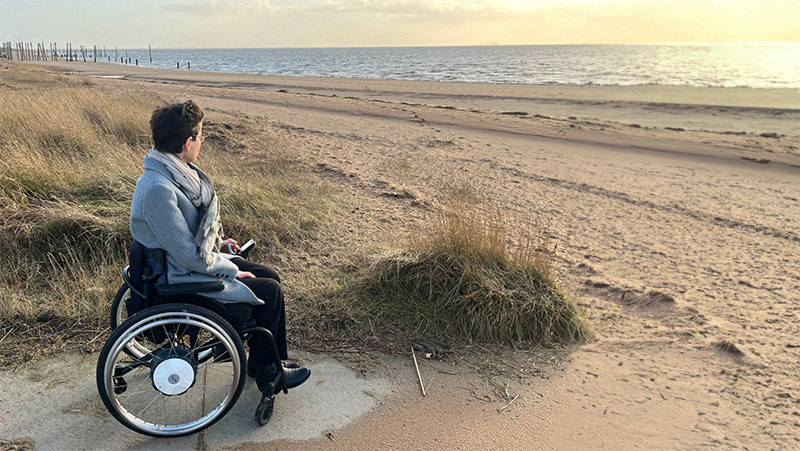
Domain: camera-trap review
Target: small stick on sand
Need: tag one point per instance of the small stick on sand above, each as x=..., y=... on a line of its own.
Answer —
x=417, y=367
x=509, y=403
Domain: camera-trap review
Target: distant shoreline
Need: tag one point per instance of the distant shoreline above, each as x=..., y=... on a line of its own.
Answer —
x=768, y=98
x=753, y=111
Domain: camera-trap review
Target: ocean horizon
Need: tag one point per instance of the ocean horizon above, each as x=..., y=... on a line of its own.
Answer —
x=749, y=65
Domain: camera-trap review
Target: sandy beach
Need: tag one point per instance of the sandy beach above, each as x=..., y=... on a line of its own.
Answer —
x=676, y=218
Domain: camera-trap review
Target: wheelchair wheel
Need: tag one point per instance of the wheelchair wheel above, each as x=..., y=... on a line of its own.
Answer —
x=264, y=410
x=119, y=313
x=191, y=375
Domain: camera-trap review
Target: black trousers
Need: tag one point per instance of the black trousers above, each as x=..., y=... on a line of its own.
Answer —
x=272, y=315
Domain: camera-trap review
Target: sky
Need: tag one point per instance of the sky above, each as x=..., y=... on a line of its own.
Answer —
x=357, y=23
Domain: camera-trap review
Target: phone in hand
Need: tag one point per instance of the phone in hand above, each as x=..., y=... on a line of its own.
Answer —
x=245, y=249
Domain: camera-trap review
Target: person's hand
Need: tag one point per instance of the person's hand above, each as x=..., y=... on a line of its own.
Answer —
x=244, y=275
x=234, y=246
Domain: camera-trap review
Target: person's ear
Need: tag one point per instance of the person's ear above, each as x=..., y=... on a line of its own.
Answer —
x=187, y=143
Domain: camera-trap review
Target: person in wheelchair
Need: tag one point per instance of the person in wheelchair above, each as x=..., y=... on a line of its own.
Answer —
x=175, y=208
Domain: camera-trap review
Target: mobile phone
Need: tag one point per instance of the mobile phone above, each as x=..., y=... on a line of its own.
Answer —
x=246, y=247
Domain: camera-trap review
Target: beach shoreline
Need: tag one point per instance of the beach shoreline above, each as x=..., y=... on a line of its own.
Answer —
x=712, y=108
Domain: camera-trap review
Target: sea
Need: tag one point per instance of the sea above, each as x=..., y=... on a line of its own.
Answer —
x=751, y=65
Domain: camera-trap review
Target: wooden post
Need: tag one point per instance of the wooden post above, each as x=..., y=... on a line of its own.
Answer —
x=189, y=65
x=150, y=51
x=179, y=64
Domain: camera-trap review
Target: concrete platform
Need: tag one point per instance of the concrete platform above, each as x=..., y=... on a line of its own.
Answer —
x=55, y=403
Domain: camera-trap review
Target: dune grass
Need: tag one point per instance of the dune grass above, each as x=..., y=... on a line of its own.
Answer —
x=70, y=155
x=460, y=278
x=71, y=152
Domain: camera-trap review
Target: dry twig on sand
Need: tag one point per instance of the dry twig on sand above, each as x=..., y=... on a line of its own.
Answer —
x=507, y=405
x=421, y=385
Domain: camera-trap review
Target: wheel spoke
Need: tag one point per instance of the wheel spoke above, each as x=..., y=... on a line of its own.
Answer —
x=150, y=404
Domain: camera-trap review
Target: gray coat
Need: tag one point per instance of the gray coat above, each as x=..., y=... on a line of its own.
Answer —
x=163, y=217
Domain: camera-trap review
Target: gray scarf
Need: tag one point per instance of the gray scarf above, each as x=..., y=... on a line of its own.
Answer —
x=198, y=188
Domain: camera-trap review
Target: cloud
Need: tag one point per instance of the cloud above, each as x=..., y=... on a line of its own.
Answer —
x=419, y=9
x=223, y=7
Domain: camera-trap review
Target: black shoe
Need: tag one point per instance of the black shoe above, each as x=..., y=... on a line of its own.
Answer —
x=251, y=369
x=296, y=376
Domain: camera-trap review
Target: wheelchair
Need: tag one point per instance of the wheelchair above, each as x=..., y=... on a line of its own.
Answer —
x=176, y=366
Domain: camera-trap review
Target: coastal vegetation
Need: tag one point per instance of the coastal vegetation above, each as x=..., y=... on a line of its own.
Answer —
x=71, y=150
x=459, y=278
x=70, y=155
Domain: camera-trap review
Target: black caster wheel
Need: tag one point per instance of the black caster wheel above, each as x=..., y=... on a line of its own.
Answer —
x=264, y=410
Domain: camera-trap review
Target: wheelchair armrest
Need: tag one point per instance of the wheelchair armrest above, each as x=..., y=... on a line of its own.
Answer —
x=190, y=288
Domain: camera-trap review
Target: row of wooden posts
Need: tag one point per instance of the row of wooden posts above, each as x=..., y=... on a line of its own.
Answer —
x=25, y=51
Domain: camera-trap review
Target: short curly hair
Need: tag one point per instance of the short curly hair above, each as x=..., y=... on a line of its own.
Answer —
x=173, y=124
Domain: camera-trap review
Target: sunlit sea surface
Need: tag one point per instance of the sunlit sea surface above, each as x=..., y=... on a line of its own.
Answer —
x=756, y=65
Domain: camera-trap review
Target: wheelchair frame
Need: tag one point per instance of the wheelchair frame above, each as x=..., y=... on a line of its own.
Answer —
x=154, y=371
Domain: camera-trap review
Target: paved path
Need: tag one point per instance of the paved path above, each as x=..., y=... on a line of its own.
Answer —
x=56, y=404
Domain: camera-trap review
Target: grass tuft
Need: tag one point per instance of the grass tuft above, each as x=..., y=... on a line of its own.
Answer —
x=461, y=279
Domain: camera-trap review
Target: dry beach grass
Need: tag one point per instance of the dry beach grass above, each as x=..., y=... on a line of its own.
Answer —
x=71, y=152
